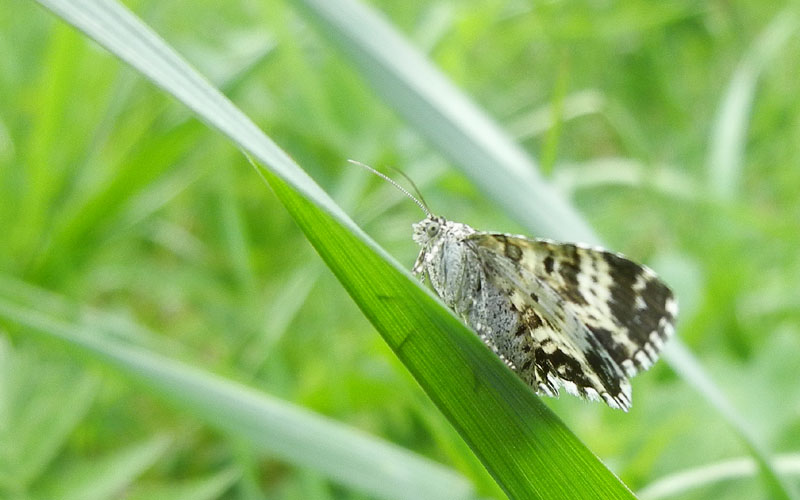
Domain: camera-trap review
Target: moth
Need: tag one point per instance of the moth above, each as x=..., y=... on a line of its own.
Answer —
x=561, y=315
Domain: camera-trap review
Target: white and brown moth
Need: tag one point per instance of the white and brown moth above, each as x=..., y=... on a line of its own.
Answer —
x=559, y=314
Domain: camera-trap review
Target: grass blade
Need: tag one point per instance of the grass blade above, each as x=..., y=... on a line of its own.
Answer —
x=522, y=444
x=684, y=363
x=105, y=477
x=526, y=448
x=420, y=93
x=728, y=140
x=445, y=116
x=679, y=483
x=270, y=425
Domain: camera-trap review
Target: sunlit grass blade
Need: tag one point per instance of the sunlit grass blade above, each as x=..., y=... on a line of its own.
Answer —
x=684, y=363
x=540, y=120
x=420, y=93
x=273, y=427
x=728, y=140
x=679, y=483
x=445, y=116
x=571, y=178
x=524, y=446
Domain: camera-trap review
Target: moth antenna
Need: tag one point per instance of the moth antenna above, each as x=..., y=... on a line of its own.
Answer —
x=420, y=204
x=413, y=185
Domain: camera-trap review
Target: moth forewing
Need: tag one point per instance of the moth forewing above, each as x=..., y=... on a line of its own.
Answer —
x=559, y=314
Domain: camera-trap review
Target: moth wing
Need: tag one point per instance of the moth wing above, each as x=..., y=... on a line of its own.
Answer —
x=601, y=312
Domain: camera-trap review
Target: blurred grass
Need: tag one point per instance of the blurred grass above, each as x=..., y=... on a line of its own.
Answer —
x=270, y=426
x=166, y=250
x=525, y=447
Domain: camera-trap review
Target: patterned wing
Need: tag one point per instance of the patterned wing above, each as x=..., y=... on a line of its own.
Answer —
x=595, y=317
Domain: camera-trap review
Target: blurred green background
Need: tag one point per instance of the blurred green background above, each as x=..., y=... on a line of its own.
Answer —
x=674, y=127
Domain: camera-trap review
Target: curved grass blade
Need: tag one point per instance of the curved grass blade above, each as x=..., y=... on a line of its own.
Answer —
x=412, y=86
x=272, y=426
x=687, y=366
x=681, y=482
x=445, y=116
x=726, y=155
x=523, y=445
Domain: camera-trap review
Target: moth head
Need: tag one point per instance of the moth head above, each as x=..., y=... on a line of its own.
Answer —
x=428, y=229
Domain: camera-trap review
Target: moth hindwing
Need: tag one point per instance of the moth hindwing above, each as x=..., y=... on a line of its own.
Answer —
x=559, y=314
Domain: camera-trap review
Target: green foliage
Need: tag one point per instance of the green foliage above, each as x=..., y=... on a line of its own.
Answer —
x=672, y=127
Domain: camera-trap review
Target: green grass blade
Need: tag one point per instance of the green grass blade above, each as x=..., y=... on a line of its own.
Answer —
x=268, y=424
x=726, y=155
x=526, y=448
x=40, y=407
x=687, y=366
x=679, y=483
x=104, y=477
x=522, y=444
x=445, y=116
x=420, y=93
